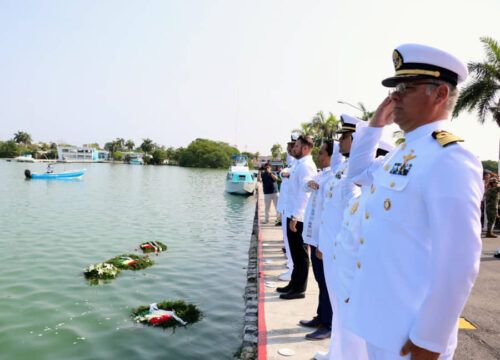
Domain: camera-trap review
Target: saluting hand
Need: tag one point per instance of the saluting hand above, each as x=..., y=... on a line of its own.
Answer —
x=383, y=114
x=418, y=353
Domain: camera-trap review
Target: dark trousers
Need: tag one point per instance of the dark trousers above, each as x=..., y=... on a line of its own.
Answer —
x=324, y=311
x=300, y=258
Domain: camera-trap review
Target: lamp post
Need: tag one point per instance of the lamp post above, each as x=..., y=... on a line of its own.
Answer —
x=349, y=104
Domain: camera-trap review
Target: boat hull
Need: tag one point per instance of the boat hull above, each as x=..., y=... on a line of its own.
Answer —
x=240, y=188
x=57, y=176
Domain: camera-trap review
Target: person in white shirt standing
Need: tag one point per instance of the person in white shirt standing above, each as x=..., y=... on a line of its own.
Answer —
x=303, y=171
x=421, y=227
x=282, y=200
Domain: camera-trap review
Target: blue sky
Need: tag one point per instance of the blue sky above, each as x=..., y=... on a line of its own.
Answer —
x=238, y=71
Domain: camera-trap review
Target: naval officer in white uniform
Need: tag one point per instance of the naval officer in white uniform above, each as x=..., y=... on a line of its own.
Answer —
x=337, y=194
x=421, y=227
x=345, y=251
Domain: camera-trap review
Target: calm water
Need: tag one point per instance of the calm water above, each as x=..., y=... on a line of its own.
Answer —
x=51, y=230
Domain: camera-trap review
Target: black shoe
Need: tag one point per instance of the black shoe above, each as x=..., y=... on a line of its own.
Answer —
x=283, y=289
x=277, y=223
x=321, y=333
x=497, y=255
x=284, y=250
x=292, y=295
x=310, y=323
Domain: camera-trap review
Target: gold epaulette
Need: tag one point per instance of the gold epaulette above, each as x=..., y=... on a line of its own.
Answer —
x=444, y=138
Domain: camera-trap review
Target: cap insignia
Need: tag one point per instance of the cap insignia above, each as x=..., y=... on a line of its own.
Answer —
x=397, y=59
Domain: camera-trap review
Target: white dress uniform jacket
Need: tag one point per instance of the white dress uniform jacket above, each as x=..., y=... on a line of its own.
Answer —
x=345, y=251
x=421, y=231
x=313, y=209
x=302, y=172
x=336, y=194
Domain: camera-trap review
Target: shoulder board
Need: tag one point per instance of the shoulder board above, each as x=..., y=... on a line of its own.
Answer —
x=444, y=138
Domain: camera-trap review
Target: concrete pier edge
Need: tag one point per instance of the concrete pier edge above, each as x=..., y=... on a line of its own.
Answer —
x=254, y=307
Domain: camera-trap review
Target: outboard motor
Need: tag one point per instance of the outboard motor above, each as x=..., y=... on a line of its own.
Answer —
x=27, y=173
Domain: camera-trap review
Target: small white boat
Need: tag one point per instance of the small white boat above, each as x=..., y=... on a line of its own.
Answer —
x=26, y=158
x=136, y=161
x=240, y=180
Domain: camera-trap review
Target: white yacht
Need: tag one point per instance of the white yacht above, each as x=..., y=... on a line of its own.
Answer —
x=239, y=179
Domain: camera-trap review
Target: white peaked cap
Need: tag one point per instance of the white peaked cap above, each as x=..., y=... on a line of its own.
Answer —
x=415, y=61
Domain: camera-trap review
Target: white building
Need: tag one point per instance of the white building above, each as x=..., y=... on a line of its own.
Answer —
x=81, y=154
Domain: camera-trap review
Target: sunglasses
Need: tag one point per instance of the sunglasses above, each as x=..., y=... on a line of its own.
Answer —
x=405, y=87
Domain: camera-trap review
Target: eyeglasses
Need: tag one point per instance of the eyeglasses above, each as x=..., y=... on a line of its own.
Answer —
x=405, y=87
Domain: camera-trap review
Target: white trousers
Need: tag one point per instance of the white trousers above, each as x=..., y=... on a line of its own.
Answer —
x=268, y=199
x=376, y=353
x=289, y=261
x=345, y=344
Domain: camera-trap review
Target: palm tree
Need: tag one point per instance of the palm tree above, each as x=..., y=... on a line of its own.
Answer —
x=324, y=127
x=120, y=143
x=130, y=144
x=276, y=151
x=22, y=137
x=147, y=145
x=482, y=93
x=366, y=114
x=304, y=129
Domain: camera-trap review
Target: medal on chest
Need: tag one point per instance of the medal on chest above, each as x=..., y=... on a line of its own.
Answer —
x=404, y=167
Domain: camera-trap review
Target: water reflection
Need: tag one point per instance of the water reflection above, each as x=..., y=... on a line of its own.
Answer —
x=52, y=230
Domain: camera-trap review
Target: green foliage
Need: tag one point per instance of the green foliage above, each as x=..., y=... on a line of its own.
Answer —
x=187, y=312
x=101, y=271
x=207, y=153
x=147, y=146
x=148, y=159
x=482, y=92
x=490, y=165
x=140, y=262
x=118, y=156
x=9, y=149
x=314, y=154
x=159, y=156
x=22, y=137
x=276, y=150
x=130, y=145
x=320, y=127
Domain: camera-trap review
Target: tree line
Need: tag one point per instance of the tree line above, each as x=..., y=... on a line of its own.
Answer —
x=199, y=153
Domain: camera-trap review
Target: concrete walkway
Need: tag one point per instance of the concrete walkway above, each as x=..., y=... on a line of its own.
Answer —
x=278, y=319
x=278, y=325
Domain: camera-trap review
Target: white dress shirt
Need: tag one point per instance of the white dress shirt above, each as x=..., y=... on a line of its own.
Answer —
x=422, y=245
x=284, y=185
x=302, y=172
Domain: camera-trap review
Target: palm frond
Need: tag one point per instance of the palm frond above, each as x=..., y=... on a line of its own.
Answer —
x=492, y=49
x=472, y=95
